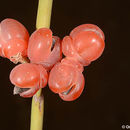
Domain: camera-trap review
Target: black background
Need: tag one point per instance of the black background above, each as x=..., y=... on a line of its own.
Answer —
x=105, y=102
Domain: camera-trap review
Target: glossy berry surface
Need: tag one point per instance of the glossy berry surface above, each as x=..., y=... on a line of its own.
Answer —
x=87, y=27
x=13, y=39
x=66, y=79
x=85, y=43
x=44, y=48
x=30, y=76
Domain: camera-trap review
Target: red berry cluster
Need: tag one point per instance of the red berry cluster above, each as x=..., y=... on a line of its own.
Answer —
x=44, y=51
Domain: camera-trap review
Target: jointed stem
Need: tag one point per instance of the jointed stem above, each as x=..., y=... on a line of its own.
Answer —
x=37, y=112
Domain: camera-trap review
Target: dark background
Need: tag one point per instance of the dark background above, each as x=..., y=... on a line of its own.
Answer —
x=105, y=102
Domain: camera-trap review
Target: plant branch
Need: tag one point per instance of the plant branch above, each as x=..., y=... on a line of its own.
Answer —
x=37, y=110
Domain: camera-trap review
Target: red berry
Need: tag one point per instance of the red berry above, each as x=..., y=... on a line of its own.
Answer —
x=66, y=79
x=75, y=91
x=70, y=51
x=14, y=47
x=13, y=39
x=87, y=27
x=29, y=76
x=85, y=43
x=44, y=48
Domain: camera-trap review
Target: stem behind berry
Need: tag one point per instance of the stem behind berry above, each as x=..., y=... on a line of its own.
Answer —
x=37, y=110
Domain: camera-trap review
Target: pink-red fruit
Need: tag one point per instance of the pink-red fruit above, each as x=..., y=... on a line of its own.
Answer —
x=85, y=43
x=29, y=76
x=66, y=79
x=44, y=48
x=13, y=40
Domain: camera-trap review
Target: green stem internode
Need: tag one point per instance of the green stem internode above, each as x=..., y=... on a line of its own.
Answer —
x=44, y=14
x=37, y=111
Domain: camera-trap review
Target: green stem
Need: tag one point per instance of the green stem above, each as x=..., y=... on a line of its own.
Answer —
x=37, y=110
x=44, y=13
